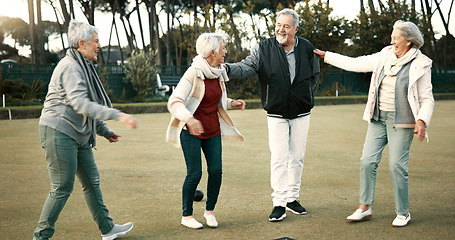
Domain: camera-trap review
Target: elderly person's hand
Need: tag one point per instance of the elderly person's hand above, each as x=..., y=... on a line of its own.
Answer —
x=319, y=52
x=419, y=129
x=238, y=104
x=195, y=127
x=114, y=138
x=127, y=120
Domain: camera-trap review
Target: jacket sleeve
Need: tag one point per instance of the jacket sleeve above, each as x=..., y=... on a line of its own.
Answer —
x=247, y=67
x=102, y=129
x=425, y=93
x=316, y=71
x=354, y=64
x=177, y=101
x=75, y=87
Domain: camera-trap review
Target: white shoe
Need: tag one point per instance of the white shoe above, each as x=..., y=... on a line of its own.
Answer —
x=191, y=223
x=358, y=215
x=401, y=220
x=117, y=231
x=211, y=220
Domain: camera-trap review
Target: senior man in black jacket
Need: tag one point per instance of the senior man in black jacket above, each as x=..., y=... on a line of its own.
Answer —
x=288, y=71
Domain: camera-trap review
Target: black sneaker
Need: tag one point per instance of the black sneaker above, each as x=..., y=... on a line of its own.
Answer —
x=278, y=214
x=296, y=208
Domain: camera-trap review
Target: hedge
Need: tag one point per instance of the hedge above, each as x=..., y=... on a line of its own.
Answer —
x=24, y=112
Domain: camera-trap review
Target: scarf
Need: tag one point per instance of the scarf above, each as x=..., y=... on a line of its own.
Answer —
x=204, y=70
x=96, y=92
x=393, y=64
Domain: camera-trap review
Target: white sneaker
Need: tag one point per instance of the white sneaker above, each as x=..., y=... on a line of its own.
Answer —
x=358, y=215
x=117, y=231
x=401, y=220
x=191, y=223
x=211, y=220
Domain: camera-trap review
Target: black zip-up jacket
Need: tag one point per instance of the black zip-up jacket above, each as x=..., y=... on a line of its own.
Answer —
x=279, y=97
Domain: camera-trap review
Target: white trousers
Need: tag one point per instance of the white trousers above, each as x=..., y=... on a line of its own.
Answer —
x=287, y=143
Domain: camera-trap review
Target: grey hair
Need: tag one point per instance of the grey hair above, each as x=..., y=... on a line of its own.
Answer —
x=291, y=12
x=410, y=32
x=207, y=42
x=79, y=31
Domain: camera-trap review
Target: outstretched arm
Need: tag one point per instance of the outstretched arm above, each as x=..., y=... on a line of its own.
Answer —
x=354, y=64
x=247, y=67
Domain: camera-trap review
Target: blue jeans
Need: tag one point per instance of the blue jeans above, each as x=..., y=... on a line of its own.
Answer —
x=379, y=134
x=191, y=147
x=66, y=159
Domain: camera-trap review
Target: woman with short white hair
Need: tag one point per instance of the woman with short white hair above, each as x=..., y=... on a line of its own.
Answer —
x=199, y=121
x=74, y=111
x=400, y=104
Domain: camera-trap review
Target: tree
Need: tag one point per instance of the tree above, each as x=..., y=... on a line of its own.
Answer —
x=66, y=15
x=372, y=28
x=88, y=9
x=116, y=6
x=449, y=39
x=137, y=8
x=61, y=29
x=153, y=29
x=32, y=30
x=7, y=51
x=17, y=29
x=320, y=29
x=39, y=32
x=446, y=50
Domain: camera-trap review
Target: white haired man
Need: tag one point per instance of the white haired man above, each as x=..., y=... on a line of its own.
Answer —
x=288, y=71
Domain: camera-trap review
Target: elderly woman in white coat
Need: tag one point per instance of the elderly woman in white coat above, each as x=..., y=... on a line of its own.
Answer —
x=199, y=121
x=400, y=104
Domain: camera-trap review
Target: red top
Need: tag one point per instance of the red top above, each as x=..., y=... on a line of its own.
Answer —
x=207, y=112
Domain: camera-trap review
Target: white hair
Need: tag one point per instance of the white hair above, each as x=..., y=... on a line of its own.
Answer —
x=207, y=42
x=410, y=32
x=79, y=31
x=288, y=11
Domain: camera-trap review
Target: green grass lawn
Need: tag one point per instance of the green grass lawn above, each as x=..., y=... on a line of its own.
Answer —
x=142, y=175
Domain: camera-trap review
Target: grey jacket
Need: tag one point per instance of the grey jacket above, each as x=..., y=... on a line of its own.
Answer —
x=68, y=107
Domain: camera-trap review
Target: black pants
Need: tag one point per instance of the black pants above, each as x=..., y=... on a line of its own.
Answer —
x=191, y=147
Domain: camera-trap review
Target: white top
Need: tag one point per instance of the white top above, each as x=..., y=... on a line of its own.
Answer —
x=387, y=94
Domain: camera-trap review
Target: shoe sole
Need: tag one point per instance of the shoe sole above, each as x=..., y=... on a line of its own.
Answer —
x=360, y=220
x=118, y=234
x=277, y=219
x=295, y=212
x=401, y=225
x=192, y=227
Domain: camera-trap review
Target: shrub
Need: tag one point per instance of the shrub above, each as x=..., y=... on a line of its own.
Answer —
x=141, y=72
x=103, y=73
x=19, y=93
